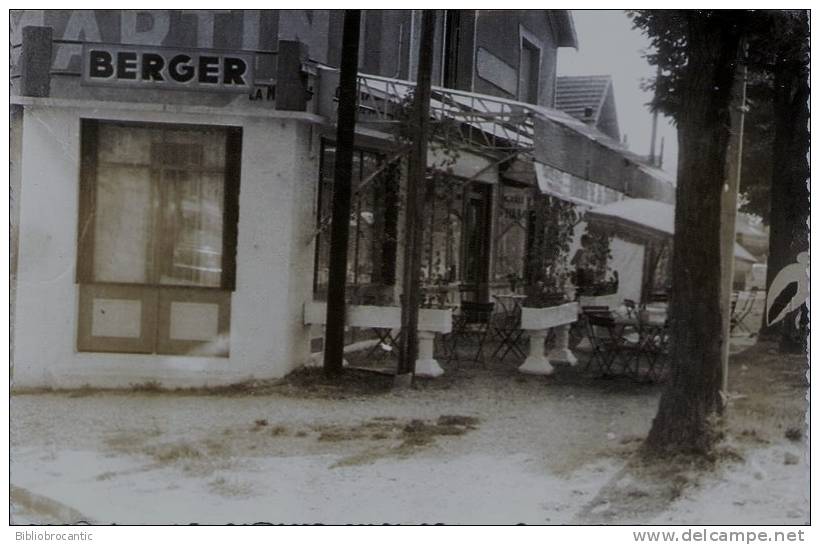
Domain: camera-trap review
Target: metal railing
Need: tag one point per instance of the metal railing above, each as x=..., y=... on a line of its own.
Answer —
x=488, y=121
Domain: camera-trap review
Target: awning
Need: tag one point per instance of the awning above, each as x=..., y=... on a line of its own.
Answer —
x=647, y=217
x=567, y=187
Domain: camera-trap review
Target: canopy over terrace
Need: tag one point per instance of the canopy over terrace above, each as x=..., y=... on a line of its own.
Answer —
x=510, y=129
x=648, y=220
x=651, y=218
x=518, y=148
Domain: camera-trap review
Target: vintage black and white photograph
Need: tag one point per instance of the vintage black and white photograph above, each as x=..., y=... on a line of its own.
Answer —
x=410, y=266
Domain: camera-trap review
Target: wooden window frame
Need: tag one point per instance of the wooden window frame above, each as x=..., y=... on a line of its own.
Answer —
x=155, y=297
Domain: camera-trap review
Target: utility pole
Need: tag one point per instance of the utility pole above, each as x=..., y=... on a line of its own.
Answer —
x=416, y=181
x=340, y=216
x=731, y=187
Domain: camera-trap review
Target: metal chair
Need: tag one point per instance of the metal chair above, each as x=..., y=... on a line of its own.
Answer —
x=506, y=326
x=609, y=345
x=472, y=324
x=653, y=346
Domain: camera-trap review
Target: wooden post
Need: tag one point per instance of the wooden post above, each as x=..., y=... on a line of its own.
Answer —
x=728, y=219
x=337, y=267
x=414, y=217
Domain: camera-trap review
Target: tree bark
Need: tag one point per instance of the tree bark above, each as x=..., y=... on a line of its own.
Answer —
x=691, y=402
x=789, y=231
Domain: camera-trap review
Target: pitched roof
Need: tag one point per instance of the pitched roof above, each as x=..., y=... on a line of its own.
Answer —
x=582, y=96
x=566, y=36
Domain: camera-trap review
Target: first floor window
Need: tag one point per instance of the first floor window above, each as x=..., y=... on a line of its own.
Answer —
x=157, y=237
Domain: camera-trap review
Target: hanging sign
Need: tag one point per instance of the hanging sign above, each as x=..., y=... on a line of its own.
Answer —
x=162, y=68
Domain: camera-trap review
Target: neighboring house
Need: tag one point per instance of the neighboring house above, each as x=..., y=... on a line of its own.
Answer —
x=171, y=174
x=590, y=99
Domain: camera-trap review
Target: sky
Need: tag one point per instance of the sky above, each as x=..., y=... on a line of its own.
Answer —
x=607, y=44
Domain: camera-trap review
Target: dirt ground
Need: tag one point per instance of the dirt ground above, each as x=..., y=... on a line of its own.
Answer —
x=478, y=445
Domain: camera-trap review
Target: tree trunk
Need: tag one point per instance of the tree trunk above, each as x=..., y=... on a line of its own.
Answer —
x=789, y=234
x=691, y=401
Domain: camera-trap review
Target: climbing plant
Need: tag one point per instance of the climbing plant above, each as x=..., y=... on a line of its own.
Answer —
x=548, y=268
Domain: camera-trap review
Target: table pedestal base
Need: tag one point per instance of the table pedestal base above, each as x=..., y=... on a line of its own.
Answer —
x=561, y=352
x=426, y=364
x=537, y=363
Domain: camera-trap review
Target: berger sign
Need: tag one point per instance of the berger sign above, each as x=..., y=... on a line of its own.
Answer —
x=161, y=68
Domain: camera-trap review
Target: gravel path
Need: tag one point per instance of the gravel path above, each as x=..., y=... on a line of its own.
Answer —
x=476, y=446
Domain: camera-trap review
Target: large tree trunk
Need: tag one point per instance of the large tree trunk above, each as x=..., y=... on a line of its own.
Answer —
x=691, y=401
x=789, y=234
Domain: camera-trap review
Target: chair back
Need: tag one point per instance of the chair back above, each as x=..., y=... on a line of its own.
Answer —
x=600, y=329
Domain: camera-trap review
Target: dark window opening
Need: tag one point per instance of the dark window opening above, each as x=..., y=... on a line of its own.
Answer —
x=452, y=41
x=529, y=72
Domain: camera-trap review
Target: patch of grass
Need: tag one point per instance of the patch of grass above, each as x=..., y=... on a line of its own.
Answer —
x=794, y=434
x=83, y=391
x=457, y=420
x=419, y=433
x=278, y=430
x=312, y=383
x=149, y=386
x=339, y=435
x=173, y=452
x=677, y=486
x=230, y=488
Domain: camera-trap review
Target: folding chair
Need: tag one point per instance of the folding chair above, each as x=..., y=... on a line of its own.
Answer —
x=609, y=344
x=386, y=339
x=472, y=324
x=653, y=347
x=507, y=328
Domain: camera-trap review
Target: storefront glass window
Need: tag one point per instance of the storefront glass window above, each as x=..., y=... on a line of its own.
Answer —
x=371, y=251
x=158, y=216
x=159, y=208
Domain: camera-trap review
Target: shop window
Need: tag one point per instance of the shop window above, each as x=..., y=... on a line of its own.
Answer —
x=372, y=242
x=157, y=237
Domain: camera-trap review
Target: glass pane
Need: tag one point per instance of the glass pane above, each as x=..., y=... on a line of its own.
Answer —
x=443, y=247
x=511, y=239
x=129, y=145
x=191, y=228
x=122, y=232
